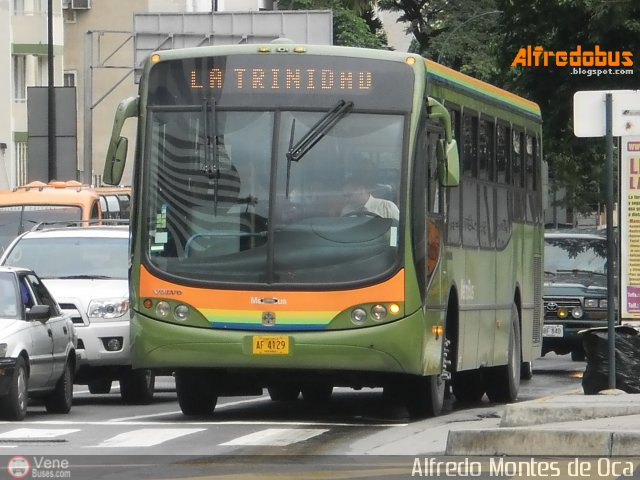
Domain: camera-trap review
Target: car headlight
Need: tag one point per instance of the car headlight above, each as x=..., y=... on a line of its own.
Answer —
x=108, y=307
x=3, y=349
x=604, y=303
x=591, y=303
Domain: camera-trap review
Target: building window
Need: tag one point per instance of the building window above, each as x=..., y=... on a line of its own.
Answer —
x=19, y=78
x=70, y=78
x=18, y=7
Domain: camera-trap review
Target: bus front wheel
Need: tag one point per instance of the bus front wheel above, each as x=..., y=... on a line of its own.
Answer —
x=425, y=396
x=196, y=393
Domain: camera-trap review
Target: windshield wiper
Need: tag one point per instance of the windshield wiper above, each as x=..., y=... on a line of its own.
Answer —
x=314, y=135
x=577, y=270
x=319, y=130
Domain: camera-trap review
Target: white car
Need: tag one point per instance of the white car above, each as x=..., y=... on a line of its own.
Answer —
x=37, y=346
x=86, y=270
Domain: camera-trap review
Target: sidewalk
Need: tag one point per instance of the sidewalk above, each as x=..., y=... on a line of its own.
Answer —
x=607, y=424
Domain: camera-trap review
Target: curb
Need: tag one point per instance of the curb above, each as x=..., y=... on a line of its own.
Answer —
x=518, y=442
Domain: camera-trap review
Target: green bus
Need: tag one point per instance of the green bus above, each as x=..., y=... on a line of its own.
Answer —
x=308, y=217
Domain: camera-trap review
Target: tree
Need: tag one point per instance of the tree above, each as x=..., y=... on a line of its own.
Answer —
x=354, y=21
x=575, y=164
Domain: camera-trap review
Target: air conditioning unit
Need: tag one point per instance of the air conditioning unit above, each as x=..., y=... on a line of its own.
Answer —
x=80, y=4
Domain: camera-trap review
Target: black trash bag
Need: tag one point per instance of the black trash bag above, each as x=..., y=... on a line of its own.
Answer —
x=627, y=356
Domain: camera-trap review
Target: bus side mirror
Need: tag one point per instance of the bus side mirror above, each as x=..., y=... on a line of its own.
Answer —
x=447, y=149
x=118, y=145
x=116, y=160
x=448, y=163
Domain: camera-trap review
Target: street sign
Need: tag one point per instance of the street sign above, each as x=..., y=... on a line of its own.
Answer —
x=630, y=227
x=589, y=113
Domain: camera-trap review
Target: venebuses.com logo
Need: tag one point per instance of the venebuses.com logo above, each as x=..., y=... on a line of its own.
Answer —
x=592, y=61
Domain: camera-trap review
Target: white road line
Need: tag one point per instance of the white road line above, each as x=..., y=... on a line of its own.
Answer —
x=218, y=407
x=214, y=423
x=277, y=437
x=23, y=433
x=146, y=437
x=8, y=446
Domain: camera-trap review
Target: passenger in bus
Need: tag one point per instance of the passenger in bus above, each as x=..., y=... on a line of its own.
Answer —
x=359, y=199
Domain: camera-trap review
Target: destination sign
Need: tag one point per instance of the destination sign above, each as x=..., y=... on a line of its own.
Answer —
x=282, y=81
x=284, y=78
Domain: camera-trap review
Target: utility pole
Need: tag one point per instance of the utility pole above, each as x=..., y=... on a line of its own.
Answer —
x=51, y=97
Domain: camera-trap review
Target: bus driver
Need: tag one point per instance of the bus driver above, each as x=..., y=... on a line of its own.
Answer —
x=359, y=199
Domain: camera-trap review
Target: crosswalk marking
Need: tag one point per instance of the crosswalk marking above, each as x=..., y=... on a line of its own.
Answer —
x=146, y=437
x=277, y=437
x=30, y=433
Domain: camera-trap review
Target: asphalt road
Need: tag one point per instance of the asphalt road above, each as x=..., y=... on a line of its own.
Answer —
x=354, y=425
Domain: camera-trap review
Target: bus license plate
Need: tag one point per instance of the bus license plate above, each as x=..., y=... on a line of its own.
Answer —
x=273, y=345
x=552, y=331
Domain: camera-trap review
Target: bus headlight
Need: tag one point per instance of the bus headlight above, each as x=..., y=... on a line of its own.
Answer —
x=379, y=312
x=577, y=312
x=181, y=312
x=358, y=316
x=108, y=307
x=163, y=309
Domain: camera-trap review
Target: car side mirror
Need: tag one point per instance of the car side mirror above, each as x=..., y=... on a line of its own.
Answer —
x=39, y=312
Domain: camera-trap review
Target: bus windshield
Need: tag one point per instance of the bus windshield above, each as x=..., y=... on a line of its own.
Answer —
x=223, y=209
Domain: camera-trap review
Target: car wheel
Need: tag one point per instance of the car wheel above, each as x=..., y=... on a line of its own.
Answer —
x=100, y=385
x=14, y=404
x=137, y=386
x=60, y=400
x=578, y=355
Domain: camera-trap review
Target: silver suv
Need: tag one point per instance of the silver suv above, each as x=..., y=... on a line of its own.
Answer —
x=85, y=268
x=37, y=346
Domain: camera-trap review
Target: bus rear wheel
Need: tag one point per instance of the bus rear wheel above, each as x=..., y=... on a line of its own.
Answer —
x=196, y=393
x=468, y=386
x=424, y=396
x=503, y=382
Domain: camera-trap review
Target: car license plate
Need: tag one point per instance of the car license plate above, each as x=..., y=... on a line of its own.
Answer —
x=552, y=330
x=271, y=345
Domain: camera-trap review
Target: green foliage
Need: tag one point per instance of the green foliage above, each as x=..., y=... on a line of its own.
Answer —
x=354, y=23
x=576, y=164
x=465, y=35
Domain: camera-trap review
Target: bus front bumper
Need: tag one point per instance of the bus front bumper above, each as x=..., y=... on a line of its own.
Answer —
x=398, y=347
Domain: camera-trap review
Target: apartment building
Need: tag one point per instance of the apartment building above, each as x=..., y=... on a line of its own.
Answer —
x=23, y=63
x=99, y=60
x=93, y=42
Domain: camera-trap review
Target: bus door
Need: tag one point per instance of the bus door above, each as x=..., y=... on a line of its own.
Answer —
x=427, y=217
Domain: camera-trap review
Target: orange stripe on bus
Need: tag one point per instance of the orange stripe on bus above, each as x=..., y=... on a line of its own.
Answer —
x=391, y=290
